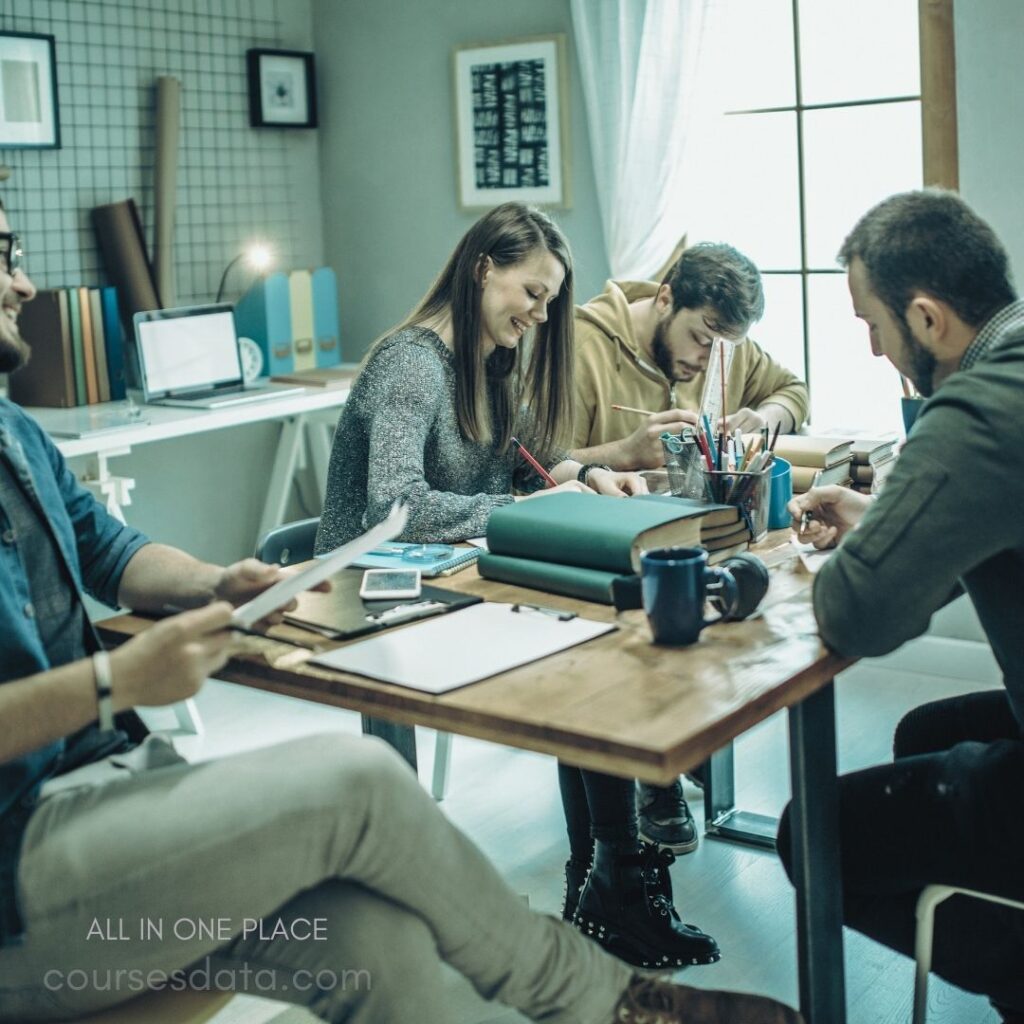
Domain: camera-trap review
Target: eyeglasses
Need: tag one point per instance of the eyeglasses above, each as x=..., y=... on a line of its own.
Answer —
x=418, y=552
x=11, y=253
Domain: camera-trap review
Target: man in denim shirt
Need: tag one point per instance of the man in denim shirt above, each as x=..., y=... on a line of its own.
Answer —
x=316, y=871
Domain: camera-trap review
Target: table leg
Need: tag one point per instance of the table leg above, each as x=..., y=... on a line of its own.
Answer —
x=286, y=460
x=401, y=737
x=722, y=820
x=815, y=836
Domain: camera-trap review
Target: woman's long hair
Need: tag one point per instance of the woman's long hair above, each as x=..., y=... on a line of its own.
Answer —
x=508, y=234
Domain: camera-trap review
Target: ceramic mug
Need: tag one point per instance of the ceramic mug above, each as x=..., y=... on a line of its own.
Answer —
x=674, y=584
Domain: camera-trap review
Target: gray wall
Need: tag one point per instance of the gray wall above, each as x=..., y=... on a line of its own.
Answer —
x=990, y=113
x=387, y=148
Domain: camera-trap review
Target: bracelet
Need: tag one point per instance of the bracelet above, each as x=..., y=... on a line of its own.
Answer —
x=584, y=474
x=104, y=689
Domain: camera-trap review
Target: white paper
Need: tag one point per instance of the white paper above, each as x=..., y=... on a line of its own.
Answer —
x=434, y=656
x=478, y=542
x=811, y=558
x=277, y=596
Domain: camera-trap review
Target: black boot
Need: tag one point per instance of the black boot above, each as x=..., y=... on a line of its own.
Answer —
x=575, y=875
x=626, y=907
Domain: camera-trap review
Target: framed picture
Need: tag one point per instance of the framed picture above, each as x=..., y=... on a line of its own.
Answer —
x=28, y=91
x=512, y=122
x=282, y=89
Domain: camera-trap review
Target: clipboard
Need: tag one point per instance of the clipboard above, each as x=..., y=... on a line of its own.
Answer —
x=341, y=613
x=434, y=656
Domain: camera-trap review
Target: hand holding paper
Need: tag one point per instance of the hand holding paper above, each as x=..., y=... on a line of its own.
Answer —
x=279, y=595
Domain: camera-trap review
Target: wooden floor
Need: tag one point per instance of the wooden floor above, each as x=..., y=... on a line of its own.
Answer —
x=508, y=802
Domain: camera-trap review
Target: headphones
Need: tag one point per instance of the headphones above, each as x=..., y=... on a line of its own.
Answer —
x=751, y=576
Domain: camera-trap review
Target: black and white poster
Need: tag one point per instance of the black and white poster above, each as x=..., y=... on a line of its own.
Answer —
x=510, y=123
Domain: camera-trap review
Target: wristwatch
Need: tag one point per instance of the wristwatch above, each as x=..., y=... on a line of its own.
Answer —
x=584, y=474
x=104, y=686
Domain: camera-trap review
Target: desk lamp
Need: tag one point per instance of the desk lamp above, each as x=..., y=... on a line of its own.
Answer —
x=258, y=256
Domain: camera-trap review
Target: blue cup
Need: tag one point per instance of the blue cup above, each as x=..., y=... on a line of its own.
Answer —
x=910, y=406
x=781, y=493
x=674, y=584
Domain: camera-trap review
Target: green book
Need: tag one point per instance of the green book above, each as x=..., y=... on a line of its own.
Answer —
x=571, y=580
x=77, y=348
x=594, y=531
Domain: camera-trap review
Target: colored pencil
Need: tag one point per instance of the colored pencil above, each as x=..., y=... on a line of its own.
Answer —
x=541, y=471
x=629, y=408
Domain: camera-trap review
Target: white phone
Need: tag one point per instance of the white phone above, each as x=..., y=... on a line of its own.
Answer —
x=389, y=584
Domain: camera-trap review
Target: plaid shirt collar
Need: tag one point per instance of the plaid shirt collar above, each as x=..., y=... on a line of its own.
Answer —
x=1009, y=318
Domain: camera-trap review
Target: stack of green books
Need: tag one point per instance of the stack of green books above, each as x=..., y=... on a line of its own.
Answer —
x=589, y=545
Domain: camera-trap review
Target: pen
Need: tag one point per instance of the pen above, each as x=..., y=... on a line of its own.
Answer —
x=806, y=517
x=629, y=408
x=541, y=471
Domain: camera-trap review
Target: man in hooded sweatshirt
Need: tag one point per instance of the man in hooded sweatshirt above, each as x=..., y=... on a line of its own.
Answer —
x=647, y=346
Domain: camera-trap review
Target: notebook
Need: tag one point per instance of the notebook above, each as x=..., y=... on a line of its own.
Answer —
x=341, y=613
x=433, y=656
x=189, y=357
x=390, y=556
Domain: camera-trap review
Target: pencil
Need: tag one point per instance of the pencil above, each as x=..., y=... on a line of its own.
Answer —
x=541, y=471
x=806, y=517
x=629, y=408
x=775, y=436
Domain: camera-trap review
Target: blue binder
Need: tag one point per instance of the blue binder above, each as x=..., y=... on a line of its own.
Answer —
x=326, y=335
x=114, y=334
x=264, y=314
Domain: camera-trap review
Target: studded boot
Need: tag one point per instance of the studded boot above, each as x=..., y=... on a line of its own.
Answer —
x=575, y=875
x=626, y=907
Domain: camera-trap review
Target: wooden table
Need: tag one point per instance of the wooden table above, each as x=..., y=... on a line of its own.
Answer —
x=620, y=705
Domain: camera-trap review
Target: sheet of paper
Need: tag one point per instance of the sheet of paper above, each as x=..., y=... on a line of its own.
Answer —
x=810, y=557
x=478, y=542
x=433, y=656
x=277, y=596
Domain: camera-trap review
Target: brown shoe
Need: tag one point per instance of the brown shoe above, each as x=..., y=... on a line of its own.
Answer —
x=652, y=1000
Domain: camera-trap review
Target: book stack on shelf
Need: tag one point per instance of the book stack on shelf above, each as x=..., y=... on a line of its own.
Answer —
x=78, y=349
x=589, y=545
x=831, y=457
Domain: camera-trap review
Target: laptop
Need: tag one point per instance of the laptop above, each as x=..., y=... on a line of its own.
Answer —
x=190, y=357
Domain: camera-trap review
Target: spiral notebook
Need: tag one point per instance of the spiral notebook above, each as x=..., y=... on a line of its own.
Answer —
x=391, y=556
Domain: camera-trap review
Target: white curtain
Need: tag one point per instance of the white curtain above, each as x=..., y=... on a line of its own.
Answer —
x=639, y=61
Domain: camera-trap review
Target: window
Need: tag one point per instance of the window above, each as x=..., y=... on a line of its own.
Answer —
x=813, y=113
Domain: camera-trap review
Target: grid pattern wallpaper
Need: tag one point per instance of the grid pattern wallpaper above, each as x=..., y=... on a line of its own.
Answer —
x=235, y=183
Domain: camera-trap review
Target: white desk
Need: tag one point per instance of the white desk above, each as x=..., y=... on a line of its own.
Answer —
x=307, y=417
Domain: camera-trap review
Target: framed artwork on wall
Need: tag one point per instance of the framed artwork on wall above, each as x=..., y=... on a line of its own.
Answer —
x=512, y=122
x=282, y=89
x=29, y=116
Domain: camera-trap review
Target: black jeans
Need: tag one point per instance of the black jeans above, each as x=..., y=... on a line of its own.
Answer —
x=596, y=806
x=949, y=810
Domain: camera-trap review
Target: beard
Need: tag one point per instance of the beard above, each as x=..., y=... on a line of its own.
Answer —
x=922, y=362
x=14, y=352
x=660, y=354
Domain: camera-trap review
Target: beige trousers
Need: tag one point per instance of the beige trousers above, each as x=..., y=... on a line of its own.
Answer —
x=316, y=872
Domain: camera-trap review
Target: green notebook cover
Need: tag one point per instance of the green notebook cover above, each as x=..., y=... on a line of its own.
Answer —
x=77, y=350
x=593, y=531
x=571, y=580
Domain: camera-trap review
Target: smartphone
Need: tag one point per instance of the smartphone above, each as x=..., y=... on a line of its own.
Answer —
x=389, y=584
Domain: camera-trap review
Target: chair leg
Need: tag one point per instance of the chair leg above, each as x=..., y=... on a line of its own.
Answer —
x=931, y=896
x=442, y=764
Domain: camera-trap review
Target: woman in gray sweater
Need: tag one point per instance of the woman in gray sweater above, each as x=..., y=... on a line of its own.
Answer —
x=484, y=357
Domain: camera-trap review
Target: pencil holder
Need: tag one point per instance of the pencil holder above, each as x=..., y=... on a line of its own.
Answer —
x=750, y=492
x=684, y=463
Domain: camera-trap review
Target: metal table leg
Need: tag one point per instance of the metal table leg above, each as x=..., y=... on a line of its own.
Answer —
x=815, y=831
x=722, y=820
x=401, y=737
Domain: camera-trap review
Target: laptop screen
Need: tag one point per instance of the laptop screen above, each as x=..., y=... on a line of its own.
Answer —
x=188, y=349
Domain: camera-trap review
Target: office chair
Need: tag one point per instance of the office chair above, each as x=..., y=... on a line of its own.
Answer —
x=292, y=543
x=931, y=896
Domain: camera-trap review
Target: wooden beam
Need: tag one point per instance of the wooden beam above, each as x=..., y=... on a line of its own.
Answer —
x=938, y=94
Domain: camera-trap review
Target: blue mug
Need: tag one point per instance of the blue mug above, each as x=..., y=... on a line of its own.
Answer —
x=674, y=584
x=781, y=492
